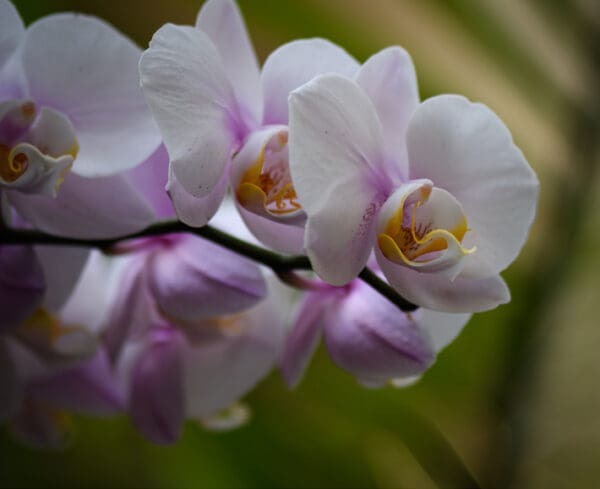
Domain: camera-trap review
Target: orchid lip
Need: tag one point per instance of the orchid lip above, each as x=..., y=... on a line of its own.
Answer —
x=266, y=186
x=413, y=238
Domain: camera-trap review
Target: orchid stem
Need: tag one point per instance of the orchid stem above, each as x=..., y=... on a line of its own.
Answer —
x=280, y=264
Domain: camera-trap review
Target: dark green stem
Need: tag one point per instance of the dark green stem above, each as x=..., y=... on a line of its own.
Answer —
x=280, y=264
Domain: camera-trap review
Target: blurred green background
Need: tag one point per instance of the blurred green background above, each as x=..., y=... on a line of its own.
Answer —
x=516, y=396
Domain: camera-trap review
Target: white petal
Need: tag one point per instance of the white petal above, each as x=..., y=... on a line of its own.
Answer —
x=187, y=89
x=222, y=22
x=443, y=327
x=196, y=211
x=338, y=170
x=11, y=30
x=389, y=79
x=465, y=148
x=437, y=292
x=91, y=208
x=84, y=68
x=295, y=63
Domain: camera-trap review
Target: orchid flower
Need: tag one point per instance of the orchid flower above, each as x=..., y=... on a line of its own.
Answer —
x=72, y=116
x=438, y=189
x=222, y=119
x=366, y=335
x=52, y=360
x=199, y=370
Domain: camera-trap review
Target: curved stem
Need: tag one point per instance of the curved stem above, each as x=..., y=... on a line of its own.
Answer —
x=280, y=264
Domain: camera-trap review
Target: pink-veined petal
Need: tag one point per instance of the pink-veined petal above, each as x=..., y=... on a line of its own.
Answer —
x=295, y=63
x=389, y=80
x=196, y=211
x=86, y=69
x=465, y=148
x=338, y=170
x=436, y=291
x=195, y=279
x=91, y=208
x=222, y=22
x=187, y=89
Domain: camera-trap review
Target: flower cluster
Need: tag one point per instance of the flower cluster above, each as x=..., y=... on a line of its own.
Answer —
x=314, y=154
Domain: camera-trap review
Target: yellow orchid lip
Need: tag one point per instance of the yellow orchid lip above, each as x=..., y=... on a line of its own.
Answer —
x=12, y=166
x=268, y=187
x=418, y=244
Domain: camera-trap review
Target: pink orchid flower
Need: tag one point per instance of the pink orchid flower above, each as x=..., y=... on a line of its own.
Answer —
x=438, y=189
x=72, y=116
x=223, y=120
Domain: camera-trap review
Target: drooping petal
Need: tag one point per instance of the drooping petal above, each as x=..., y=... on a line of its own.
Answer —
x=157, y=399
x=436, y=291
x=196, y=211
x=71, y=63
x=389, y=80
x=150, y=179
x=337, y=165
x=11, y=30
x=218, y=373
x=22, y=285
x=193, y=279
x=192, y=100
x=295, y=63
x=222, y=22
x=366, y=335
x=303, y=339
x=131, y=310
x=92, y=208
x=465, y=148
x=89, y=388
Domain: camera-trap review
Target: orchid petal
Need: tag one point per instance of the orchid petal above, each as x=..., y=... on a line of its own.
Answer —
x=196, y=279
x=218, y=373
x=389, y=80
x=303, y=339
x=157, y=398
x=70, y=62
x=88, y=208
x=150, y=179
x=336, y=161
x=436, y=291
x=222, y=22
x=11, y=30
x=295, y=63
x=22, y=285
x=89, y=388
x=465, y=149
x=187, y=89
x=443, y=327
x=367, y=336
x=196, y=211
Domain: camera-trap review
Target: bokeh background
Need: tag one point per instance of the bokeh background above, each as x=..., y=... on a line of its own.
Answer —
x=515, y=400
